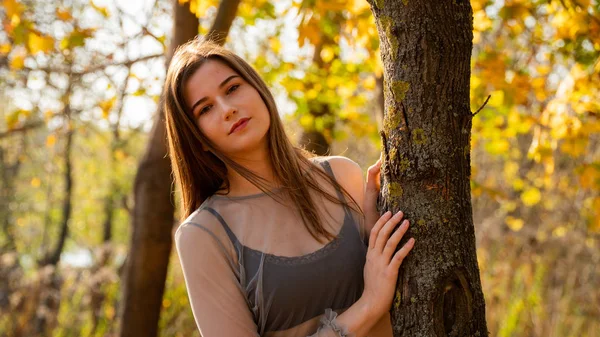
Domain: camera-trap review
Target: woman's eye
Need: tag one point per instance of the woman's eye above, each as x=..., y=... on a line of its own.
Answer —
x=233, y=88
x=205, y=109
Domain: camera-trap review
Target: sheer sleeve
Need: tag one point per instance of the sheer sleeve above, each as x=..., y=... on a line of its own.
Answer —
x=329, y=327
x=217, y=299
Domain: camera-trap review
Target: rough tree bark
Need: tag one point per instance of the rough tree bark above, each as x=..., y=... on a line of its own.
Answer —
x=153, y=213
x=426, y=49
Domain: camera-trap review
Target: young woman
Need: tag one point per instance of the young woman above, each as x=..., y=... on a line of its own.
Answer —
x=275, y=242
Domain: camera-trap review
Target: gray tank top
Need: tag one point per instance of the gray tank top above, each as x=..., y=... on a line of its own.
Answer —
x=284, y=291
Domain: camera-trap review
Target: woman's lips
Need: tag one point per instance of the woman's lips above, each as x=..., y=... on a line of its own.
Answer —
x=240, y=125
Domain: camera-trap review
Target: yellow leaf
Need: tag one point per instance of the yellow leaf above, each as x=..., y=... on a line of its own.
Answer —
x=48, y=114
x=76, y=38
x=17, y=61
x=369, y=83
x=359, y=6
x=36, y=182
x=595, y=226
x=574, y=146
x=12, y=119
x=12, y=8
x=162, y=39
x=309, y=30
x=331, y=5
x=15, y=20
x=515, y=224
x=583, y=3
x=497, y=146
x=107, y=106
x=327, y=54
x=311, y=94
x=50, y=140
x=481, y=22
x=306, y=121
x=590, y=177
x=510, y=170
x=199, y=7
x=119, y=154
x=109, y=311
x=543, y=70
x=140, y=92
x=5, y=49
x=37, y=43
x=531, y=196
x=539, y=88
x=497, y=98
x=63, y=15
x=509, y=206
x=101, y=10
x=275, y=44
x=478, y=4
x=476, y=37
x=559, y=231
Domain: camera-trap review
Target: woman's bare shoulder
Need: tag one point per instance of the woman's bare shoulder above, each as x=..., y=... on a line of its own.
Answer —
x=344, y=168
x=347, y=173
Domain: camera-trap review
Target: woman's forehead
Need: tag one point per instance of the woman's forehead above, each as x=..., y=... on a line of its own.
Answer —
x=211, y=71
x=207, y=78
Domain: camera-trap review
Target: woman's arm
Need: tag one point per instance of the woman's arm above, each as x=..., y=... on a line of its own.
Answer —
x=383, y=261
x=356, y=321
x=217, y=299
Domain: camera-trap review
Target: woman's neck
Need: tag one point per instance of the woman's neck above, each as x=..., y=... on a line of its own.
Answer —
x=261, y=166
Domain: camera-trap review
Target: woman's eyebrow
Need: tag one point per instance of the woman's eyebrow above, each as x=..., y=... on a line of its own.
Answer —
x=200, y=101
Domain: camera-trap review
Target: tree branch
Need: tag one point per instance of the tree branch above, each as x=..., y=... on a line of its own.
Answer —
x=484, y=103
x=225, y=15
x=23, y=128
x=127, y=63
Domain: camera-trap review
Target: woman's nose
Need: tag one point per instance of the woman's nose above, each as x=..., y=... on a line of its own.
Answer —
x=227, y=109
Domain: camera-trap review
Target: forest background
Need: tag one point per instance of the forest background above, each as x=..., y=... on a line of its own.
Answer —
x=80, y=82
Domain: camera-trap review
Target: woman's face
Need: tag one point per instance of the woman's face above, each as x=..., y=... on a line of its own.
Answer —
x=227, y=109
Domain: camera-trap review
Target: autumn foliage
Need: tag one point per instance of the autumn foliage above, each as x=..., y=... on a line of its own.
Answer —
x=93, y=71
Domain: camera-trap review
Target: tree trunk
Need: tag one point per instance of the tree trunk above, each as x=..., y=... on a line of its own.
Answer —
x=426, y=51
x=314, y=141
x=153, y=213
x=148, y=259
x=8, y=173
x=54, y=257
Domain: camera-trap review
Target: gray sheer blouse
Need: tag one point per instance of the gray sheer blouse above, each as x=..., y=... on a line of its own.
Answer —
x=252, y=268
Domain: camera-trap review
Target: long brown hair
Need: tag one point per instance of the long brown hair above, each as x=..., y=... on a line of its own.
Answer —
x=200, y=173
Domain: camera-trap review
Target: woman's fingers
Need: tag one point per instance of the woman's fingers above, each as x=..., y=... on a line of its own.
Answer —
x=392, y=243
x=377, y=227
x=401, y=254
x=373, y=178
x=386, y=231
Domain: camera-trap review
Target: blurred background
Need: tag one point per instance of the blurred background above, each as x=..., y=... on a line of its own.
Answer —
x=79, y=85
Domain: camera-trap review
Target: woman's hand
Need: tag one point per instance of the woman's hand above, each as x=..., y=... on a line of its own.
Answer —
x=371, y=193
x=382, y=264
